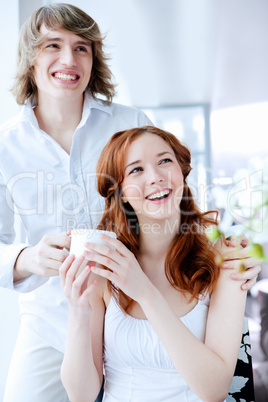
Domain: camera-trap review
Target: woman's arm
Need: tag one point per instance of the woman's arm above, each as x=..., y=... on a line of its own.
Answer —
x=206, y=367
x=82, y=368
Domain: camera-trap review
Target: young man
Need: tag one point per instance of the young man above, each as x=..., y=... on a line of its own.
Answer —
x=48, y=155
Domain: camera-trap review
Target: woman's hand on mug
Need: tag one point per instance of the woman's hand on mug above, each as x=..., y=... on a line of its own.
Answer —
x=75, y=284
x=123, y=268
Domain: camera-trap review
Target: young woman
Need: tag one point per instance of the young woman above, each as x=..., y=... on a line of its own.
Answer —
x=164, y=319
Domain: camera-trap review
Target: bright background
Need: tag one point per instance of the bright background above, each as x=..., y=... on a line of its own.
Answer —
x=168, y=54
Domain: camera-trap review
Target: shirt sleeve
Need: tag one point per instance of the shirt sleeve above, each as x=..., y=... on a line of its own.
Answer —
x=10, y=251
x=144, y=120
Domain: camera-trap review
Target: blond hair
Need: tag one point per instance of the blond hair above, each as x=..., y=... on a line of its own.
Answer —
x=74, y=20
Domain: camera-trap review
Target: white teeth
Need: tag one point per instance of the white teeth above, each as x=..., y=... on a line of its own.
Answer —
x=65, y=77
x=159, y=195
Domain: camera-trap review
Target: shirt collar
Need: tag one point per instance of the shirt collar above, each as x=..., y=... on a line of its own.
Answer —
x=27, y=113
x=89, y=103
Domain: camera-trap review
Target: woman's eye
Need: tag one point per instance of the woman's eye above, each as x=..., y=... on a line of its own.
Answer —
x=135, y=170
x=166, y=160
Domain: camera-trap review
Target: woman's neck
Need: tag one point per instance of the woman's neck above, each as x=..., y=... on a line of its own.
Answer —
x=156, y=239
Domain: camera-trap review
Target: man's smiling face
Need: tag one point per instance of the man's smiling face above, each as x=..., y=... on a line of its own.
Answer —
x=63, y=66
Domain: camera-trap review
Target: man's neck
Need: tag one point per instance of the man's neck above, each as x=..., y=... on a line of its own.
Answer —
x=59, y=119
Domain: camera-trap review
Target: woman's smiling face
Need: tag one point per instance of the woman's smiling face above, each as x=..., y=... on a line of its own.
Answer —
x=153, y=180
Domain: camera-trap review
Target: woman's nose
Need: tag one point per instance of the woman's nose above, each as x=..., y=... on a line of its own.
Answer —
x=155, y=176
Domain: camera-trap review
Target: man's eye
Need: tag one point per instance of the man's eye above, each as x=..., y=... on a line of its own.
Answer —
x=81, y=49
x=53, y=46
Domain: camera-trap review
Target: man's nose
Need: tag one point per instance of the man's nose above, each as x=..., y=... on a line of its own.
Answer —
x=67, y=57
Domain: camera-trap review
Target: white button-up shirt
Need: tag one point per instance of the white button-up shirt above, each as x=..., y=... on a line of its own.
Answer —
x=52, y=192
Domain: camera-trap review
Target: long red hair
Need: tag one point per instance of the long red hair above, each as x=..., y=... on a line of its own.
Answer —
x=190, y=262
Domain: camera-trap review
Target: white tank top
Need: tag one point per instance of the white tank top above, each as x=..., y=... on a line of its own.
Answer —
x=137, y=367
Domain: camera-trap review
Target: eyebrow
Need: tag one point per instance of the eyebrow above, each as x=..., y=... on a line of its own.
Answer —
x=79, y=42
x=139, y=161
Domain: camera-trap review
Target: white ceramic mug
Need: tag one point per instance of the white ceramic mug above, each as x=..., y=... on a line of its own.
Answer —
x=80, y=236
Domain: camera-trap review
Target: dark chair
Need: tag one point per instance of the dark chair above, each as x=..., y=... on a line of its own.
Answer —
x=100, y=396
x=242, y=387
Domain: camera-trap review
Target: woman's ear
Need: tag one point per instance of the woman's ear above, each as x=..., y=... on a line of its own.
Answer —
x=122, y=195
x=123, y=198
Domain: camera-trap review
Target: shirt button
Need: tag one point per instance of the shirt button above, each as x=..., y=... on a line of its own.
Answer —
x=82, y=210
x=75, y=176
